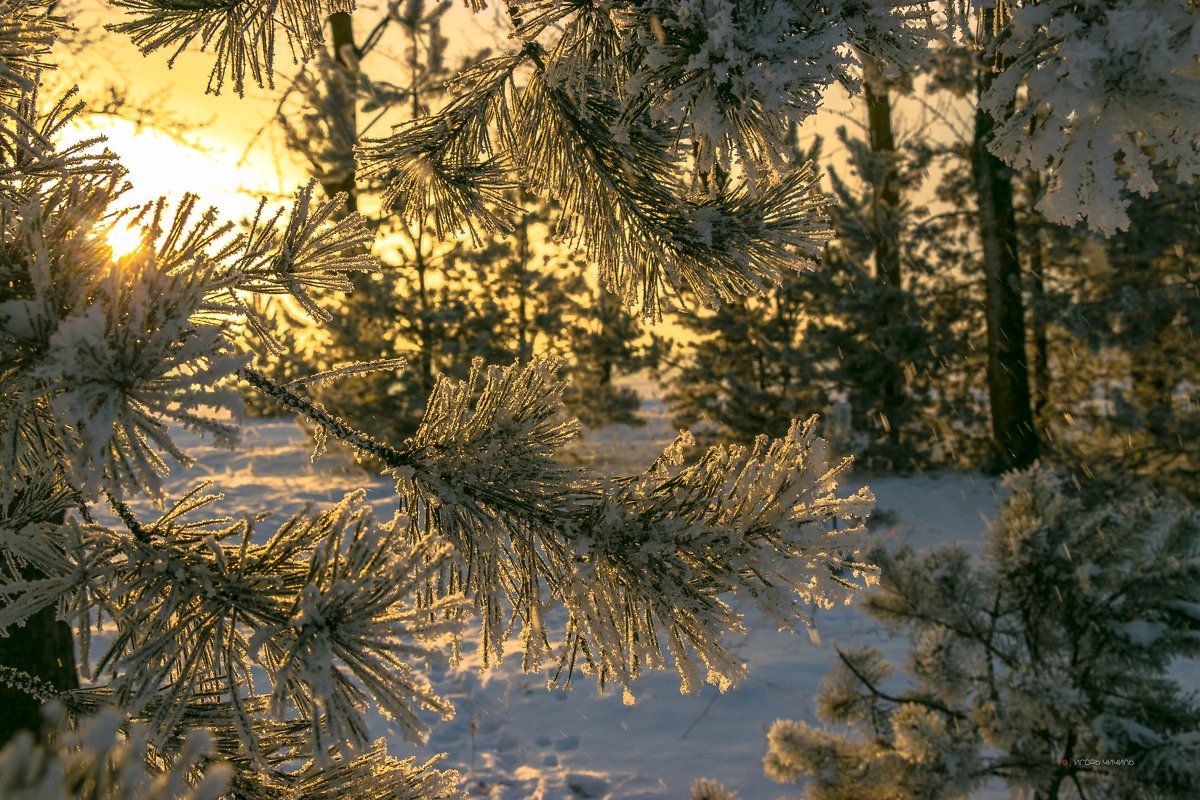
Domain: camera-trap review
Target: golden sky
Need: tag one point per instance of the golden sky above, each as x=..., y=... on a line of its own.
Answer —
x=221, y=170
x=242, y=156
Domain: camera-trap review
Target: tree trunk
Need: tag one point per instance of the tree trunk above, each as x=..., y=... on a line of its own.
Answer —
x=44, y=648
x=886, y=230
x=1014, y=437
x=887, y=194
x=1037, y=298
x=1152, y=373
x=341, y=31
x=524, y=346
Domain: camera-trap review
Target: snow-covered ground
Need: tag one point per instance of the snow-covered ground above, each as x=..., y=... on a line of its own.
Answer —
x=531, y=743
x=512, y=738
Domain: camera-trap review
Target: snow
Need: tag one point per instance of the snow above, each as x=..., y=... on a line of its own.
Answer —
x=511, y=737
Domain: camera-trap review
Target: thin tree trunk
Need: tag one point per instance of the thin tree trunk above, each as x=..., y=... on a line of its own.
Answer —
x=425, y=329
x=887, y=197
x=341, y=31
x=524, y=347
x=44, y=648
x=1037, y=298
x=1151, y=377
x=1014, y=437
x=884, y=209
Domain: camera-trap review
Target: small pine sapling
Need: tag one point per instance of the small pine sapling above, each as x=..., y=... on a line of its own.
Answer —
x=708, y=789
x=1047, y=666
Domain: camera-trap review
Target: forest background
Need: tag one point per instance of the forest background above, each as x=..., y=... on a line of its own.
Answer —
x=947, y=325
x=897, y=360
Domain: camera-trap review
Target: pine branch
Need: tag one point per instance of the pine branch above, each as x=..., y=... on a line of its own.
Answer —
x=447, y=167
x=657, y=558
x=613, y=170
x=315, y=413
x=928, y=702
x=241, y=33
x=31, y=685
x=126, y=515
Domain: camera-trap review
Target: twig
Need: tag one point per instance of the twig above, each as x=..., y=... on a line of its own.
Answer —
x=334, y=425
x=126, y=514
x=935, y=705
x=696, y=721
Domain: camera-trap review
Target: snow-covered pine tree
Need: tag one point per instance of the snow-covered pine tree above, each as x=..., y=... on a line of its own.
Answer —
x=1119, y=360
x=887, y=339
x=745, y=365
x=1046, y=666
x=1094, y=93
x=758, y=362
x=102, y=356
x=706, y=789
x=1131, y=64
x=440, y=304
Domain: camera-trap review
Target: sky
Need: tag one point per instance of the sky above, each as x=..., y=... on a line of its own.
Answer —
x=209, y=151
x=228, y=149
x=240, y=155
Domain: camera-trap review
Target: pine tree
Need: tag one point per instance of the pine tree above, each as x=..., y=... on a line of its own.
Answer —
x=1045, y=666
x=412, y=310
x=886, y=341
x=876, y=350
x=101, y=356
x=1119, y=351
x=606, y=343
x=506, y=296
x=1131, y=65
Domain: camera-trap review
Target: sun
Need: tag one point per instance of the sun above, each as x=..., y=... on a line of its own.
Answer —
x=159, y=165
x=124, y=240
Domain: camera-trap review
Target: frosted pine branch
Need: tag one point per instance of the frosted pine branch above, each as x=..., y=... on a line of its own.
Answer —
x=107, y=357
x=658, y=560
x=241, y=34
x=600, y=125
x=324, y=604
x=100, y=754
x=1012, y=660
x=1114, y=89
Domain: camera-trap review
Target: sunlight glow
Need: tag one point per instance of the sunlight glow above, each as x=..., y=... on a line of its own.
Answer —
x=160, y=165
x=123, y=240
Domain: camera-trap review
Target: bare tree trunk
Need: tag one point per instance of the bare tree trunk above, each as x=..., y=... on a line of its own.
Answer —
x=887, y=197
x=1037, y=297
x=345, y=54
x=1150, y=366
x=524, y=346
x=44, y=648
x=886, y=230
x=1014, y=437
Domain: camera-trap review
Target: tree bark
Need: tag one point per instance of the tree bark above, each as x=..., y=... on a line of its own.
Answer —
x=1014, y=438
x=341, y=32
x=887, y=195
x=44, y=648
x=1037, y=298
x=886, y=230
